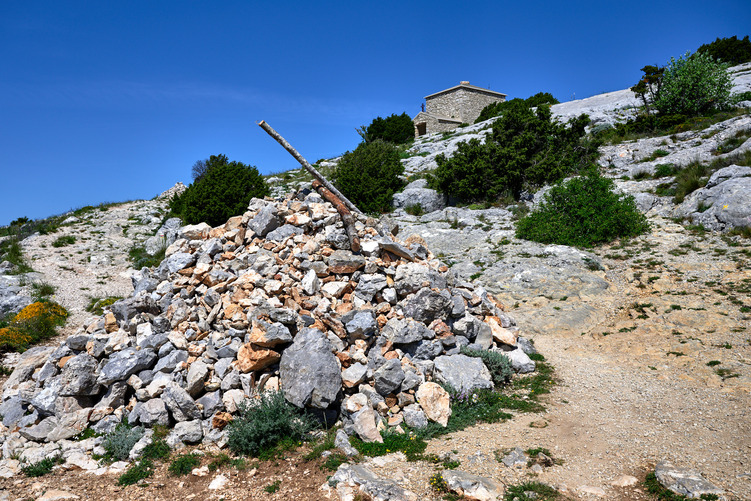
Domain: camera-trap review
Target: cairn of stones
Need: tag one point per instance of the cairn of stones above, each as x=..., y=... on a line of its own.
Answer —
x=274, y=299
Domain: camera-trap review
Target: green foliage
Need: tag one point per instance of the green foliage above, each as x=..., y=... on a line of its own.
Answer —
x=157, y=449
x=397, y=129
x=529, y=491
x=36, y=322
x=97, y=305
x=525, y=150
x=183, y=464
x=369, y=176
x=497, y=109
x=261, y=426
x=648, y=87
x=139, y=471
x=10, y=250
x=273, y=486
x=583, y=212
x=222, y=191
x=412, y=445
x=693, y=84
x=118, y=443
x=42, y=290
x=497, y=363
x=414, y=210
x=42, y=467
x=64, y=240
x=664, y=494
x=140, y=258
x=728, y=50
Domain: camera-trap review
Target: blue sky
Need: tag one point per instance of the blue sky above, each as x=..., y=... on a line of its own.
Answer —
x=110, y=101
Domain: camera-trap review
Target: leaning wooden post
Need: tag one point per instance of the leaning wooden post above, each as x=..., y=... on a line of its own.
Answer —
x=308, y=167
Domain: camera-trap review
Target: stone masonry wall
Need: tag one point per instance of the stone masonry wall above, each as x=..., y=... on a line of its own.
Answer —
x=463, y=104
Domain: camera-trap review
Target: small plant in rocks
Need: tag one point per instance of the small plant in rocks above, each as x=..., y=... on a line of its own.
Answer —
x=498, y=364
x=262, y=425
x=42, y=467
x=183, y=464
x=529, y=491
x=119, y=442
x=139, y=471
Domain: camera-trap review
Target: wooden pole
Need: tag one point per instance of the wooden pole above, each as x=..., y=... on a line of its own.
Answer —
x=308, y=167
x=346, y=215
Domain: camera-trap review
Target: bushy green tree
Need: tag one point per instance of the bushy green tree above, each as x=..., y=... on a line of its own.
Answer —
x=693, y=84
x=496, y=109
x=728, y=50
x=369, y=176
x=526, y=149
x=583, y=212
x=397, y=129
x=222, y=191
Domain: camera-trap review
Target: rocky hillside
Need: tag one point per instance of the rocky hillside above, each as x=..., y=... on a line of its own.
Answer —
x=649, y=337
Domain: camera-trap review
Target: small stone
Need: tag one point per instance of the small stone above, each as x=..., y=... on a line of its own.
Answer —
x=624, y=481
x=435, y=402
x=219, y=482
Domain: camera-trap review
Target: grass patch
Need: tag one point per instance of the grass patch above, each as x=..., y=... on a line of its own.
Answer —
x=414, y=210
x=223, y=459
x=530, y=491
x=273, y=486
x=654, y=487
x=139, y=471
x=140, y=258
x=10, y=250
x=97, y=304
x=42, y=290
x=183, y=464
x=42, y=467
x=63, y=241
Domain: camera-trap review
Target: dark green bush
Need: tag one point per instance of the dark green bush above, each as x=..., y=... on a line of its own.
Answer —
x=526, y=149
x=139, y=471
x=728, y=50
x=183, y=464
x=497, y=363
x=369, y=176
x=397, y=129
x=496, y=109
x=261, y=426
x=582, y=212
x=222, y=191
x=42, y=467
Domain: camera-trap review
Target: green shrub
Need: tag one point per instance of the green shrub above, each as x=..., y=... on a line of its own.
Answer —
x=184, y=464
x=497, y=363
x=531, y=491
x=64, y=240
x=118, y=443
x=526, y=149
x=42, y=467
x=97, y=305
x=728, y=50
x=140, y=258
x=221, y=192
x=261, y=426
x=397, y=129
x=10, y=250
x=42, y=290
x=414, y=210
x=583, y=212
x=139, y=471
x=158, y=449
x=497, y=109
x=369, y=176
x=693, y=84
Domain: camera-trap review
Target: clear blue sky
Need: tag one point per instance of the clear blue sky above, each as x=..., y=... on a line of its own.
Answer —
x=109, y=101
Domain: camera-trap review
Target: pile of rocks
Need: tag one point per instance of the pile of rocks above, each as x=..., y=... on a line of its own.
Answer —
x=273, y=299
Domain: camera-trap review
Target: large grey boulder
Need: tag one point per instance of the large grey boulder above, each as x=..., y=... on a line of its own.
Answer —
x=411, y=277
x=473, y=486
x=520, y=361
x=418, y=193
x=265, y=221
x=79, y=377
x=180, y=403
x=309, y=371
x=428, y=305
x=11, y=300
x=388, y=377
x=150, y=413
x=178, y=261
x=684, y=481
x=723, y=204
x=125, y=363
x=367, y=482
x=462, y=373
x=360, y=324
x=405, y=331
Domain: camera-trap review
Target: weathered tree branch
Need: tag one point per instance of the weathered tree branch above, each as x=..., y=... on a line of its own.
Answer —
x=308, y=167
x=346, y=215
